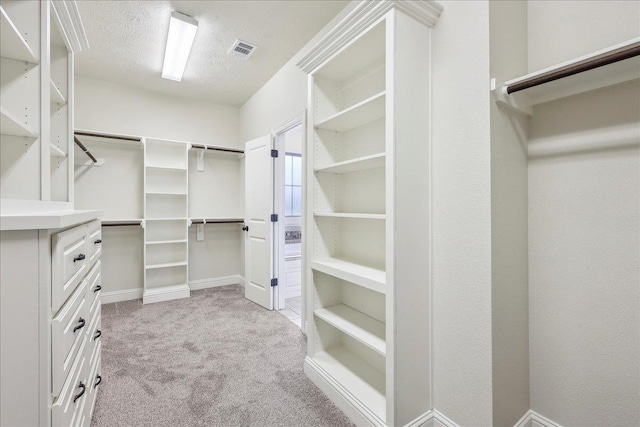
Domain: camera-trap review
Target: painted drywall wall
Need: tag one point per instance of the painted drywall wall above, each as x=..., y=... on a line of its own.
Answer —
x=584, y=247
x=462, y=379
x=561, y=30
x=117, y=187
x=584, y=224
x=110, y=107
x=509, y=290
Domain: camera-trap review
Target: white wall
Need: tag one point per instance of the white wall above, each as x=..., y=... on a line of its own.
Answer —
x=584, y=246
x=509, y=260
x=561, y=30
x=584, y=227
x=110, y=107
x=462, y=375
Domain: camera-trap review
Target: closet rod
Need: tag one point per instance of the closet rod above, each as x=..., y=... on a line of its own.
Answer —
x=83, y=148
x=104, y=135
x=211, y=147
x=217, y=221
x=122, y=224
x=575, y=69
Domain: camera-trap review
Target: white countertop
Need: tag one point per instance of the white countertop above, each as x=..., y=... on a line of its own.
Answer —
x=45, y=220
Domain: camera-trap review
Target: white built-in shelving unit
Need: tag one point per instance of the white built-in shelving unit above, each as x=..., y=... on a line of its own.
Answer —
x=166, y=190
x=36, y=107
x=367, y=213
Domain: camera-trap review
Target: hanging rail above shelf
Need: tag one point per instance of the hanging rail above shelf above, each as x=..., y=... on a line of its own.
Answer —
x=217, y=221
x=106, y=135
x=214, y=148
x=122, y=222
x=607, y=67
x=85, y=149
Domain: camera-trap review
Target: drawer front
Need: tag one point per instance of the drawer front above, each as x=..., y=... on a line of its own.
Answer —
x=68, y=330
x=94, y=382
x=94, y=332
x=69, y=263
x=69, y=408
x=94, y=241
x=94, y=278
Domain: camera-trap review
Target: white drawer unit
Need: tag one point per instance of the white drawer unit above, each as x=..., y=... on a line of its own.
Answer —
x=68, y=408
x=69, y=263
x=94, y=279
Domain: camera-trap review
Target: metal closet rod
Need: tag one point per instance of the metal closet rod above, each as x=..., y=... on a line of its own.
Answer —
x=216, y=221
x=105, y=135
x=575, y=69
x=211, y=147
x=121, y=224
x=85, y=149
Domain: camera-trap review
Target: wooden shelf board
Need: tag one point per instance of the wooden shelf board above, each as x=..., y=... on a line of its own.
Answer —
x=361, y=379
x=55, y=151
x=12, y=44
x=359, y=326
x=171, y=168
x=373, y=161
x=608, y=75
x=351, y=215
x=364, y=112
x=116, y=221
x=166, y=265
x=11, y=125
x=56, y=95
x=361, y=275
x=166, y=242
x=165, y=193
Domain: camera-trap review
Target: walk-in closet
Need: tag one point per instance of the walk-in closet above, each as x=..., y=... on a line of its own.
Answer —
x=336, y=213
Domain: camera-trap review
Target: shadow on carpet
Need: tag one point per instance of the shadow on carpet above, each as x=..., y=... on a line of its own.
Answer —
x=215, y=359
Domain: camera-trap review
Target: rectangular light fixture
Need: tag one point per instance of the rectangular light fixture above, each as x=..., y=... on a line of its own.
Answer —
x=182, y=31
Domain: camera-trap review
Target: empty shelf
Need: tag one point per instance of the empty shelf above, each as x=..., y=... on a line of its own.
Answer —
x=11, y=125
x=166, y=265
x=357, y=376
x=374, y=161
x=166, y=193
x=166, y=219
x=359, y=326
x=56, y=95
x=351, y=215
x=166, y=242
x=370, y=278
x=364, y=112
x=172, y=168
x=55, y=151
x=12, y=44
x=118, y=221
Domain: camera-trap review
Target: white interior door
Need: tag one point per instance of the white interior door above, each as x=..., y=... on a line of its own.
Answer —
x=258, y=262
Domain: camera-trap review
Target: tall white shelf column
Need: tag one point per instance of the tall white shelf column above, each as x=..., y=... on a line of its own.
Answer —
x=367, y=216
x=166, y=222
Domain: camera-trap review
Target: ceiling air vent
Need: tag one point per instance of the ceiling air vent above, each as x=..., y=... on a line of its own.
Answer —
x=242, y=49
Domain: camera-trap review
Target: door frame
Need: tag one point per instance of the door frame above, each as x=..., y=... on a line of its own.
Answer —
x=278, y=202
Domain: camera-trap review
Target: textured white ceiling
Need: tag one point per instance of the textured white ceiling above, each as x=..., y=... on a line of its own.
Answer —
x=127, y=40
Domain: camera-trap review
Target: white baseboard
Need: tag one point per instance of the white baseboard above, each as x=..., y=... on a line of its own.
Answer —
x=233, y=279
x=533, y=419
x=440, y=420
x=160, y=294
x=119, y=296
x=358, y=413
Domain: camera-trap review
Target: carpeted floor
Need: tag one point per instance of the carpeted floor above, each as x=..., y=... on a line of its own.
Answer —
x=214, y=359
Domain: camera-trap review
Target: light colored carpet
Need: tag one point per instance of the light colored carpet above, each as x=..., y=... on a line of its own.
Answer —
x=214, y=359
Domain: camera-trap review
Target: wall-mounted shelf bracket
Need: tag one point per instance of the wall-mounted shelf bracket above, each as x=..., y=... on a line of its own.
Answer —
x=517, y=103
x=200, y=159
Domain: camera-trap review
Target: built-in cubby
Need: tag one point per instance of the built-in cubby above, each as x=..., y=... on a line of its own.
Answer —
x=367, y=214
x=166, y=220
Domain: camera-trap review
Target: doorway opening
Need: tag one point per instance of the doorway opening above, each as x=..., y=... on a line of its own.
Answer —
x=289, y=197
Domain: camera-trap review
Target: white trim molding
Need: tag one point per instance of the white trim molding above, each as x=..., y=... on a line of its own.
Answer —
x=361, y=17
x=233, y=279
x=68, y=16
x=119, y=296
x=533, y=419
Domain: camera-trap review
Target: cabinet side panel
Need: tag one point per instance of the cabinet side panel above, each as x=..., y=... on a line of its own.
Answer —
x=19, y=335
x=411, y=219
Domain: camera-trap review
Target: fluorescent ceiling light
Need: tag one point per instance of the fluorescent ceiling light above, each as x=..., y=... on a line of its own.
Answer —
x=182, y=31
